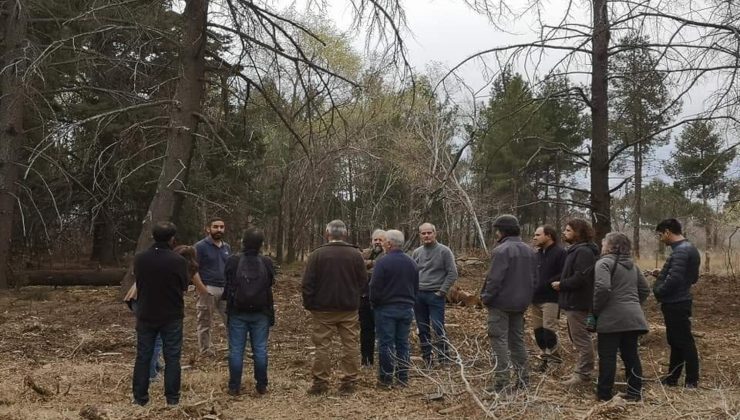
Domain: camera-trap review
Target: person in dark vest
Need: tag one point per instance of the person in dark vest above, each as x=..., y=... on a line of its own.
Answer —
x=544, y=308
x=161, y=279
x=250, y=310
x=672, y=289
x=367, y=318
x=576, y=295
x=334, y=276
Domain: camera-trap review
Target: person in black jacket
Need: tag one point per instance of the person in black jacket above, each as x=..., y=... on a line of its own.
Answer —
x=161, y=279
x=507, y=292
x=673, y=290
x=393, y=288
x=250, y=270
x=576, y=294
x=544, y=308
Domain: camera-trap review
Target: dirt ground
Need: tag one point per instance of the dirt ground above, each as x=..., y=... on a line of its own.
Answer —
x=68, y=353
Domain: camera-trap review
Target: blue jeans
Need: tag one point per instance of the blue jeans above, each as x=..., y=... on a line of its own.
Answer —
x=155, y=366
x=146, y=337
x=254, y=326
x=430, y=315
x=393, y=324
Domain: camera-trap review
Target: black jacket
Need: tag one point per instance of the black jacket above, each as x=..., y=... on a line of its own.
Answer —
x=230, y=273
x=577, y=282
x=512, y=277
x=335, y=273
x=679, y=272
x=395, y=280
x=161, y=278
x=551, y=261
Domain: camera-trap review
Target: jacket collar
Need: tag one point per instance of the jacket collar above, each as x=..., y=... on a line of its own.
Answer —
x=161, y=245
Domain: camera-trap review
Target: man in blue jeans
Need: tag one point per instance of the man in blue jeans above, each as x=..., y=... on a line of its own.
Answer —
x=161, y=279
x=393, y=288
x=248, y=293
x=437, y=273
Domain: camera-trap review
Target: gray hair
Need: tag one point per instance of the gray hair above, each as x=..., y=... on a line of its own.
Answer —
x=427, y=224
x=617, y=243
x=336, y=229
x=395, y=237
x=378, y=232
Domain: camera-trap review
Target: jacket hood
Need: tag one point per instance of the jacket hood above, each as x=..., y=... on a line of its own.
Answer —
x=623, y=260
x=590, y=245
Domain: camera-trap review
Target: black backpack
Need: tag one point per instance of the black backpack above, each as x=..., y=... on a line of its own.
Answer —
x=252, y=289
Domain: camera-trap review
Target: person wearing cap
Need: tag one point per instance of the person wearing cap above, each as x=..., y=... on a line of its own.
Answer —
x=507, y=292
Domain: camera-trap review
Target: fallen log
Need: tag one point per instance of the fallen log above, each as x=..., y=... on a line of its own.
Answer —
x=102, y=277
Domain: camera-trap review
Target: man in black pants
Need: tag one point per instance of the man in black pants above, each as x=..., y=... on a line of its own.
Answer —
x=161, y=278
x=367, y=318
x=673, y=290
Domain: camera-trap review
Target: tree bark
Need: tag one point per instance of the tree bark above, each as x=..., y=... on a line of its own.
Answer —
x=166, y=202
x=104, y=240
x=637, y=209
x=12, y=134
x=107, y=277
x=599, y=163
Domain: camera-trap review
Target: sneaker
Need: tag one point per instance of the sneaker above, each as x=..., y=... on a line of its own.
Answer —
x=318, y=388
x=347, y=388
x=691, y=385
x=261, y=389
x=233, y=392
x=576, y=379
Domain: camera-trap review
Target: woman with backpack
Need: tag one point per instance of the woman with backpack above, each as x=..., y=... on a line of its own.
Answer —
x=619, y=289
x=249, y=306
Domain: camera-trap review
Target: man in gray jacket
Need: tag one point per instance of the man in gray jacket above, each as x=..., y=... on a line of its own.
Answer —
x=507, y=292
x=437, y=273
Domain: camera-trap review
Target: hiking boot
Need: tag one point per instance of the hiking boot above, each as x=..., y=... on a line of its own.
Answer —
x=691, y=385
x=576, y=379
x=347, y=388
x=233, y=392
x=629, y=397
x=668, y=381
x=383, y=385
x=318, y=388
x=261, y=389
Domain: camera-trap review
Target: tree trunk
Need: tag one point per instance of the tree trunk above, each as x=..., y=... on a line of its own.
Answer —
x=104, y=240
x=599, y=164
x=107, y=277
x=12, y=134
x=637, y=207
x=558, y=197
x=290, y=257
x=166, y=202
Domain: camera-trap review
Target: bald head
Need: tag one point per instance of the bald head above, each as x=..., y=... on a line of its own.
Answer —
x=428, y=234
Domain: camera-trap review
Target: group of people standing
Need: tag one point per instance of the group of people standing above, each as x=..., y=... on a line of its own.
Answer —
x=598, y=289
x=372, y=296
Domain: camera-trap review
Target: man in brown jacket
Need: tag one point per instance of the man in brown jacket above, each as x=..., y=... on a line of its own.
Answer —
x=334, y=276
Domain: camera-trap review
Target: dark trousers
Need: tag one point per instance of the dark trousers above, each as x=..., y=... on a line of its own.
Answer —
x=683, y=348
x=429, y=311
x=626, y=344
x=146, y=335
x=367, y=332
x=394, y=326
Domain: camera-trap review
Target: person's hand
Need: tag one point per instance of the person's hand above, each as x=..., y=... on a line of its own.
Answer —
x=202, y=291
x=555, y=285
x=131, y=294
x=655, y=272
x=440, y=293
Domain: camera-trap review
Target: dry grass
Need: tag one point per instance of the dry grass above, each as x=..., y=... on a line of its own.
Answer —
x=68, y=353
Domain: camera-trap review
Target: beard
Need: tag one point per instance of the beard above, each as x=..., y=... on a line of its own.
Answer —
x=378, y=248
x=217, y=235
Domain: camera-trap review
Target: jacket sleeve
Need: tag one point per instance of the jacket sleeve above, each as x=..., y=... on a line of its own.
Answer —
x=377, y=282
x=643, y=290
x=602, y=283
x=559, y=262
x=309, y=281
x=451, y=269
x=495, y=278
x=583, y=260
x=669, y=281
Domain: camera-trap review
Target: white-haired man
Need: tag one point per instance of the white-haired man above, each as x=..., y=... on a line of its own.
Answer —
x=335, y=273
